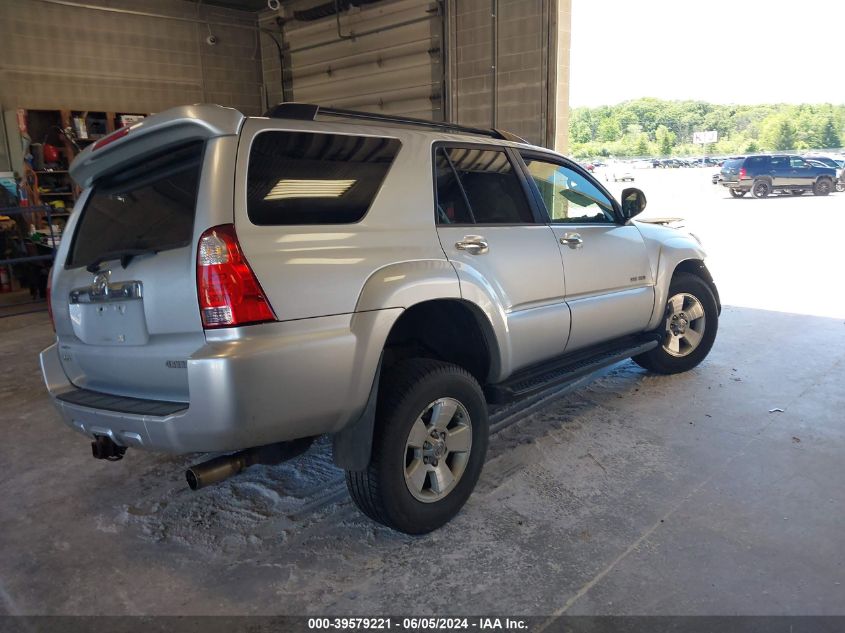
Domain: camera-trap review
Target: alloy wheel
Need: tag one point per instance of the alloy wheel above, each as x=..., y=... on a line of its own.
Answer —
x=437, y=450
x=685, y=322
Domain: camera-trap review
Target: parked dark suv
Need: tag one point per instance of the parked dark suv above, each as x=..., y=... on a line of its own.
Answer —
x=763, y=175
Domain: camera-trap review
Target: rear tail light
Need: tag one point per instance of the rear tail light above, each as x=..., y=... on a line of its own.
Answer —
x=50, y=298
x=742, y=173
x=229, y=293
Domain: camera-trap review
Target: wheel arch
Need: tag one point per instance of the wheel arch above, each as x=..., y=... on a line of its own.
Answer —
x=420, y=312
x=452, y=330
x=681, y=254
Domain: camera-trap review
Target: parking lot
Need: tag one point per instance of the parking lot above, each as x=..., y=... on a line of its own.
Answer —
x=714, y=492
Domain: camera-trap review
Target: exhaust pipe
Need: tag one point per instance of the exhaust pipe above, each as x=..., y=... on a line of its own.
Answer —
x=104, y=448
x=216, y=470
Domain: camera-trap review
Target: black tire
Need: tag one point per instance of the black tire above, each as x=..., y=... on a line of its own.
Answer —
x=761, y=188
x=659, y=359
x=406, y=390
x=797, y=192
x=822, y=187
x=737, y=193
x=840, y=186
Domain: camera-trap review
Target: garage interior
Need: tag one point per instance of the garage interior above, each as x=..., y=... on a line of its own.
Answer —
x=716, y=492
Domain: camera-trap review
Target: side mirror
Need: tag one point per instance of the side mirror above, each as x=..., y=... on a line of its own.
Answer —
x=633, y=202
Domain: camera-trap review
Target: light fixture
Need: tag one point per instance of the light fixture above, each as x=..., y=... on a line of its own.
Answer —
x=289, y=188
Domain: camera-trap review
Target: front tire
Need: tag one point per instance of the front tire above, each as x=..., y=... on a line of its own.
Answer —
x=840, y=186
x=429, y=445
x=689, y=327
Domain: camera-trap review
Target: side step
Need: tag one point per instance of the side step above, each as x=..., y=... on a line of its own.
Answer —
x=567, y=369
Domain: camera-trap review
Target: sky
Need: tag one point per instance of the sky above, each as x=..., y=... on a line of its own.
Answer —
x=739, y=51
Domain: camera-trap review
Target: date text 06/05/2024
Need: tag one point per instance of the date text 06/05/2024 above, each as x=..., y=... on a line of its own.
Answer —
x=416, y=624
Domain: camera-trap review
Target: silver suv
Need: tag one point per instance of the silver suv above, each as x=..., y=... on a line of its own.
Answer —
x=240, y=285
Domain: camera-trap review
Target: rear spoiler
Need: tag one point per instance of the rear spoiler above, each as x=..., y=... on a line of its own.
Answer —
x=171, y=127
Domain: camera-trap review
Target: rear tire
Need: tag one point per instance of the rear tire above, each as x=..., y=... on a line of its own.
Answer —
x=417, y=482
x=737, y=193
x=689, y=327
x=822, y=187
x=761, y=189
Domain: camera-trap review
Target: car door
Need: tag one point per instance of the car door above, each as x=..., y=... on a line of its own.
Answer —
x=781, y=172
x=800, y=172
x=609, y=283
x=492, y=232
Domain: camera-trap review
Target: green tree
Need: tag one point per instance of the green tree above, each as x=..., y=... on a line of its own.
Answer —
x=668, y=125
x=609, y=129
x=830, y=136
x=665, y=140
x=784, y=136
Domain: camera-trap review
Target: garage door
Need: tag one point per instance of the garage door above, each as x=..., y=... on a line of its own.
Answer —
x=381, y=56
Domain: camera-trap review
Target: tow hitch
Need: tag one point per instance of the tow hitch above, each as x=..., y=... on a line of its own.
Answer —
x=103, y=448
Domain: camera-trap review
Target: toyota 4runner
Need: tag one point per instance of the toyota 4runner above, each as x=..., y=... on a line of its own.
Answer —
x=240, y=285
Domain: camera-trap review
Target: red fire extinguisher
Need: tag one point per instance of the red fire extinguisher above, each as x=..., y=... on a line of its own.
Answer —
x=5, y=280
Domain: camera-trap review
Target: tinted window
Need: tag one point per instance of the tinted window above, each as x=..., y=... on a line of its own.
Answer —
x=451, y=201
x=796, y=162
x=780, y=162
x=569, y=196
x=147, y=206
x=758, y=161
x=479, y=185
x=305, y=178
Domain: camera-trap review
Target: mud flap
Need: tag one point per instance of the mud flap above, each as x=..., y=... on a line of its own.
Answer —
x=353, y=445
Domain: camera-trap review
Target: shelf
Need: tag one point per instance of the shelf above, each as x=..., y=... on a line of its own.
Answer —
x=52, y=194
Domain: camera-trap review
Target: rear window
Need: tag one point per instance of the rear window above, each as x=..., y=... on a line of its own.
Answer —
x=147, y=207
x=307, y=178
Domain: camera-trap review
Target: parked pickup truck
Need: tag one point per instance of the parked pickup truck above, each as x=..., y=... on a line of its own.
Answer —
x=240, y=285
x=763, y=175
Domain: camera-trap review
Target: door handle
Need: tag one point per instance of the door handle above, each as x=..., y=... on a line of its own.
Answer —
x=473, y=244
x=572, y=240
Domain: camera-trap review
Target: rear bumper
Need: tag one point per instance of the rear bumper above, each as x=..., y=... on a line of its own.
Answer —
x=279, y=382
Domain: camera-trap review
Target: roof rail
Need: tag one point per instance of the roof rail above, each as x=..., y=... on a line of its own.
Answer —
x=309, y=112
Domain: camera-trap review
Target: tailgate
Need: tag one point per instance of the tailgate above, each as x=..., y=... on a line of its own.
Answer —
x=125, y=297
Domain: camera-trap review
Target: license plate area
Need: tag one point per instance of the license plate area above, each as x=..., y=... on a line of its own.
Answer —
x=110, y=314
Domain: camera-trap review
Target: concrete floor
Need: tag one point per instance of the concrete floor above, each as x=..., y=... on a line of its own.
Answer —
x=636, y=494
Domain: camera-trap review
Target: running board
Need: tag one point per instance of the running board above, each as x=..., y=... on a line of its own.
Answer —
x=567, y=369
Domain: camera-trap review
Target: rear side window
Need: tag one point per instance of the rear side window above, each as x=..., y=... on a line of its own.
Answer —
x=149, y=206
x=307, y=178
x=479, y=186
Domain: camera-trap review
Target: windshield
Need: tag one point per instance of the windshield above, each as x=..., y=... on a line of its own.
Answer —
x=148, y=207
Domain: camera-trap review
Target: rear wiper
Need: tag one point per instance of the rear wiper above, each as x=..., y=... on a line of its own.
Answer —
x=124, y=255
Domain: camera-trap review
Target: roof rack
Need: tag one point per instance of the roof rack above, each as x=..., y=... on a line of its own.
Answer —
x=309, y=112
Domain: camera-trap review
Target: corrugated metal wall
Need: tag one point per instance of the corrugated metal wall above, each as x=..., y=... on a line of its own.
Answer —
x=388, y=57
x=66, y=57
